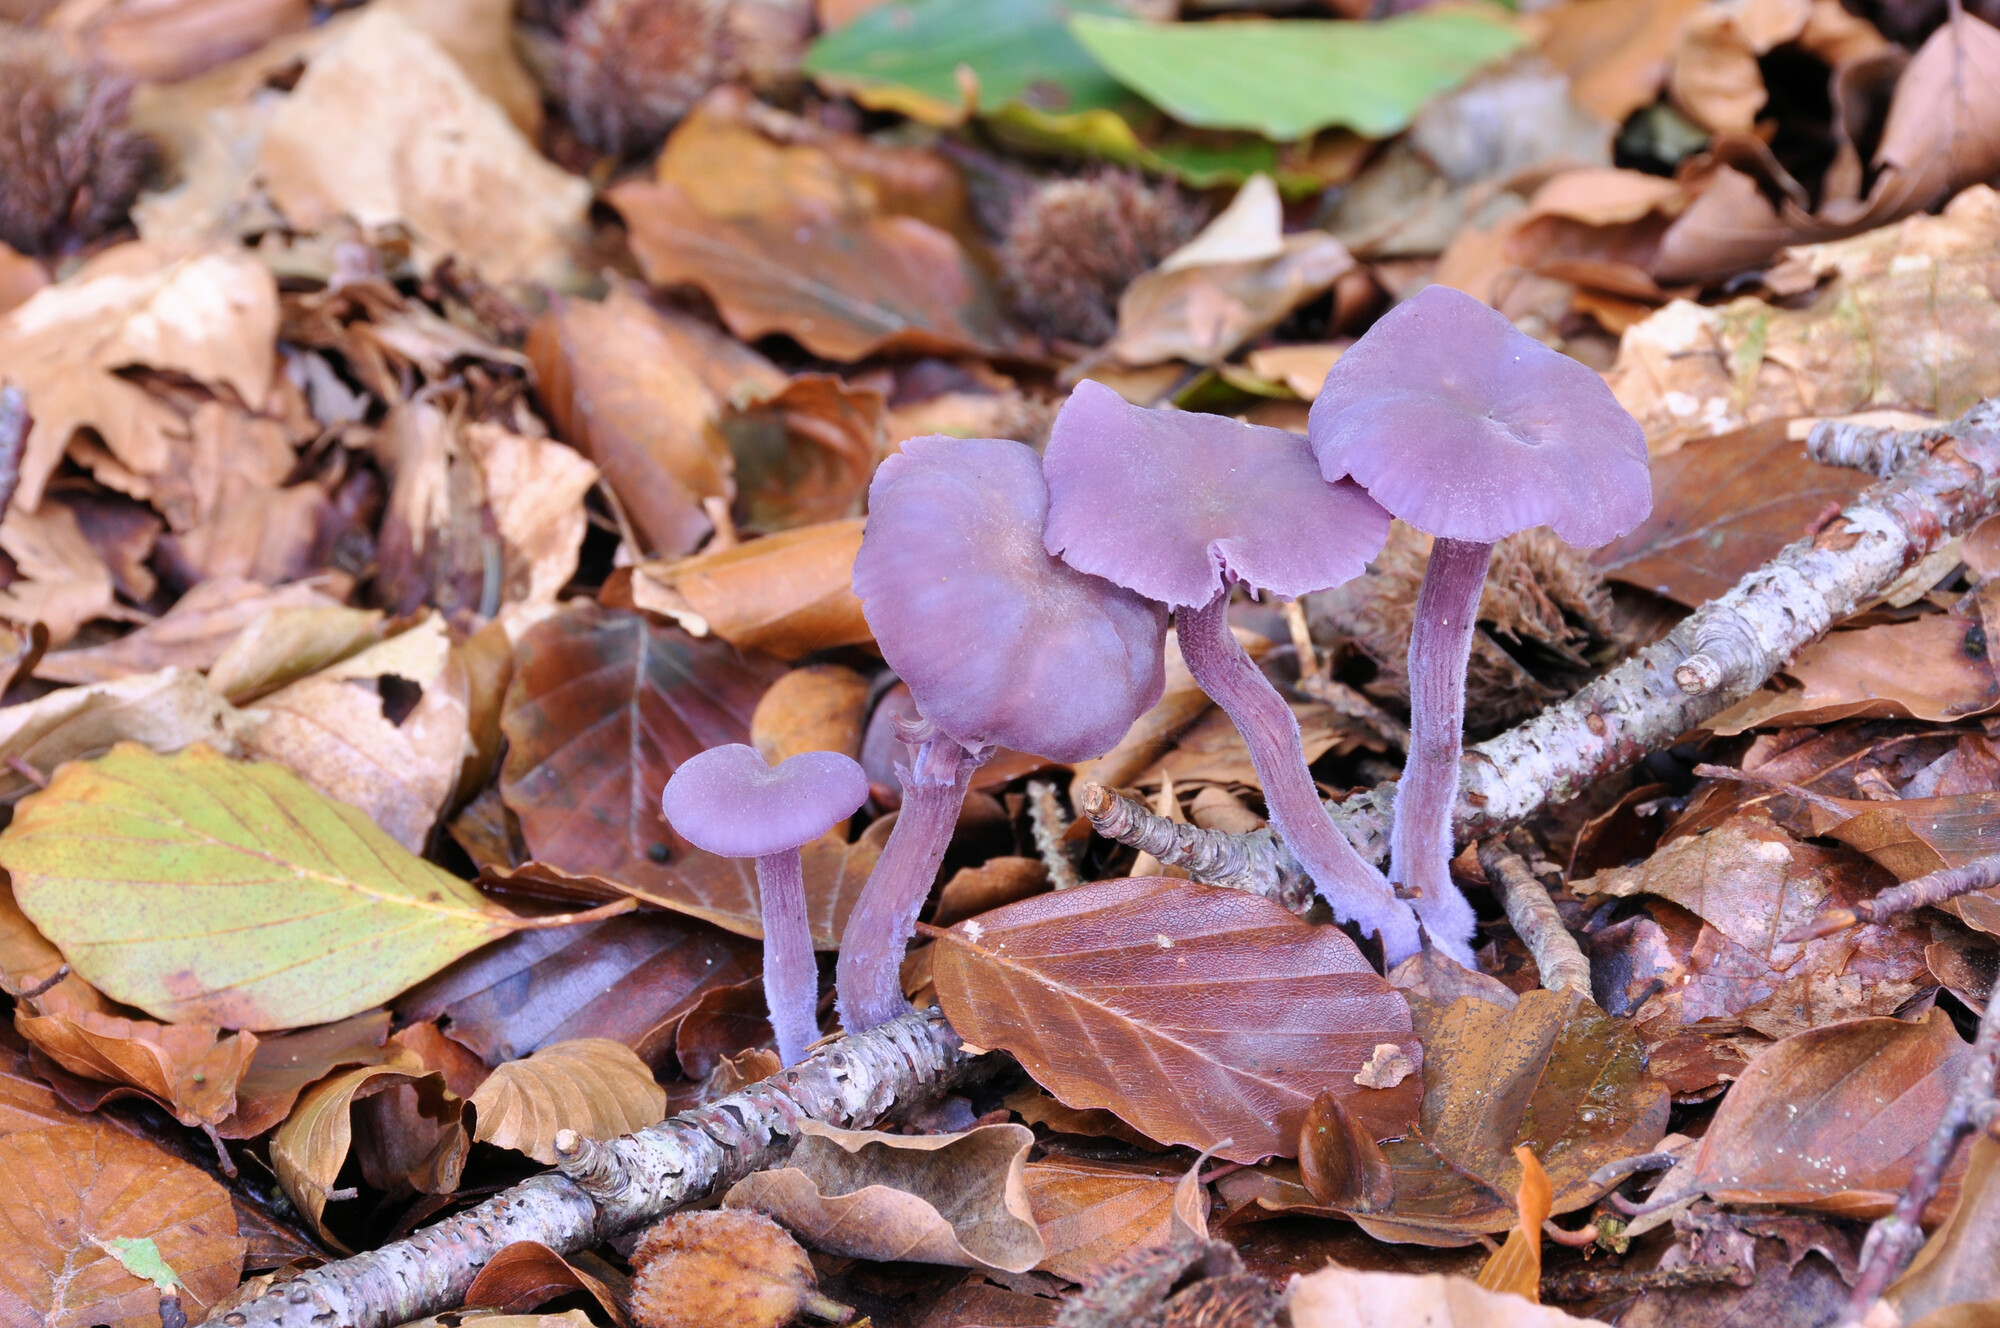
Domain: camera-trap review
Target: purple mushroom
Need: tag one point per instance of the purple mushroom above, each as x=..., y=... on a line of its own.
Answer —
x=728, y=801
x=1180, y=506
x=1470, y=431
x=1000, y=644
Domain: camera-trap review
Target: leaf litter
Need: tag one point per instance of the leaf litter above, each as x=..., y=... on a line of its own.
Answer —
x=395, y=511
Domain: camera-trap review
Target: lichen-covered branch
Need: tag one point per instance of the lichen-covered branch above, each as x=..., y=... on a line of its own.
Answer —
x=1924, y=892
x=1557, y=955
x=1258, y=861
x=1716, y=656
x=608, y=1187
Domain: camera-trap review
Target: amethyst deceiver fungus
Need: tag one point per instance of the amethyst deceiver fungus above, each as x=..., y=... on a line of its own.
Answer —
x=727, y=801
x=1180, y=507
x=1000, y=644
x=1469, y=431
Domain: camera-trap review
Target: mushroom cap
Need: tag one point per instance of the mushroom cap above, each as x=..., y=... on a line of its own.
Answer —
x=1165, y=501
x=999, y=642
x=1468, y=429
x=728, y=801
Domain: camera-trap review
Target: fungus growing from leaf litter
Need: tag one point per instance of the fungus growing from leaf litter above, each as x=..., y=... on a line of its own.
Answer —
x=1179, y=506
x=1469, y=431
x=728, y=801
x=1000, y=644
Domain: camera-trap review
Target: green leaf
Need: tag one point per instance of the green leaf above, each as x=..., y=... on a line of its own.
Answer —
x=1286, y=78
x=905, y=56
x=205, y=890
x=139, y=1256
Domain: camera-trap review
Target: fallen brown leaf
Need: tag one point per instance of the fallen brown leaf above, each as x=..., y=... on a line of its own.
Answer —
x=1202, y=313
x=337, y=730
x=421, y=146
x=1094, y=990
x=528, y=1274
x=1943, y=129
x=805, y=453
x=1723, y=506
x=165, y=42
x=995, y=882
x=64, y=582
x=65, y=1190
x=1516, y=1267
x=1616, y=52
x=787, y=594
x=1959, y=1266
x=197, y=631
x=223, y=500
x=1715, y=78
x=309, y=1149
x=282, y=645
x=618, y=386
x=283, y=1064
x=1832, y=1119
x=1091, y=1212
x=212, y=315
x=165, y=711
x=1343, y=1298
x=1932, y=667
x=724, y=1022
x=818, y=708
x=594, y=1086
x=958, y=1199
x=26, y=1100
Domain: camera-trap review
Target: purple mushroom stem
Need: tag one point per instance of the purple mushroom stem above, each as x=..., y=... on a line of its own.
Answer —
x=1271, y=732
x=869, y=974
x=1420, y=842
x=791, y=974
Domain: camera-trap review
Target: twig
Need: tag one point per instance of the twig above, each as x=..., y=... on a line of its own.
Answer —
x=1893, y=1239
x=1049, y=823
x=1726, y=649
x=1593, y=1283
x=604, y=1188
x=1258, y=861
x=1881, y=452
x=1536, y=922
x=40, y=989
x=1924, y=892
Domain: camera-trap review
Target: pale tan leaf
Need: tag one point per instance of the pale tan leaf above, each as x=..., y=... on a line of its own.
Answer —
x=955, y=1199
x=164, y=711
x=283, y=645
x=63, y=581
x=535, y=489
x=595, y=1086
x=1343, y=1298
x=197, y=631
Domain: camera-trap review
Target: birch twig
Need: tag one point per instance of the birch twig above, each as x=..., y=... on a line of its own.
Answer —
x=1533, y=913
x=1715, y=657
x=1924, y=892
x=1257, y=861
x=603, y=1188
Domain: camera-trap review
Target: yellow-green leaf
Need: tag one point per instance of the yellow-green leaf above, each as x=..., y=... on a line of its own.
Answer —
x=211, y=891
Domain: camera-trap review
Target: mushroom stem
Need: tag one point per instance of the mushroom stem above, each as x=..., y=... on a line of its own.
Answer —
x=1440, y=647
x=1353, y=888
x=791, y=975
x=868, y=979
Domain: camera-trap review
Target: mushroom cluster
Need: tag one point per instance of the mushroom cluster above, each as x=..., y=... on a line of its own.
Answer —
x=1024, y=602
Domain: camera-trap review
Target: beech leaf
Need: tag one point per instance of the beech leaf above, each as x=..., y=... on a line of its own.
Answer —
x=310, y=1148
x=209, y=891
x=955, y=1199
x=1196, y=1014
x=597, y=1087
x=67, y=1193
x=1345, y=1298
x=1091, y=1212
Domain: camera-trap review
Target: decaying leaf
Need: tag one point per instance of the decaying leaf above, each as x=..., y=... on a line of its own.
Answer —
x=942, y=1198
x=283, y=645
x=1832, y=1119
x=422, y=146
x=594, y=1086
x=1092, y=1212
x=818, y=708
x=1722, y=506
x=336, y=729
x=1959, y=1265
x=64, y=582
x=787, y=594
x=805, y=453
x=202, y=625
x=1516, y=1267
x=66, y=1191
x=603, y=706
x=287, y=908
x=1344, y=1298
x=309, y=1149
x=1094, y=990
x=1553, y=1074
x=283, y=1064
x=1202, y=313
x=192, y=1070
x=528, y=1274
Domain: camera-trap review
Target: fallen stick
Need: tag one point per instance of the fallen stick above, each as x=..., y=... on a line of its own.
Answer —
x=1923, y=892
x=603, y=1188
x=1713, y=658
x=1558, y=957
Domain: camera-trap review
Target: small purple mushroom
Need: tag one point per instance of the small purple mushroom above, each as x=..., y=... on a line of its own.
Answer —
x=1470, y=431
x=728, y=801
x=1000, y=644
x=1179, y=506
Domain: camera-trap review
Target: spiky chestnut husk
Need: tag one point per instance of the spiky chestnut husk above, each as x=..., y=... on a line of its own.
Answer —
x=1074, y=245
x=723, y=1266
x=630, y=69
x=69, y=166
x=1540, y=594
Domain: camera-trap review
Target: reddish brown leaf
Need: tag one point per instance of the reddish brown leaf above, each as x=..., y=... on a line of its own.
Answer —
x=617, y=390
x=64, y=1190
x=1092, y=1212
x=1722, y=506
x=995, y=882
x=724, y=1022
x=26, y=1101
x=630, y=978
x=1196, y=1014
x=1339, y=1163
x=1832, y=1119
x=805, y=454
x=1960, y=1265
x=602, y=708
x=284, y=1063
x=1932, y=667
x=528, y=1274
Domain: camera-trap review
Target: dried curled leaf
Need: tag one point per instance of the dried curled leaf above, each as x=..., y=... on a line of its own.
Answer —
x=310, y=1148
x=957, y=1199
x=1197, y=1014
x=594, y=1086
